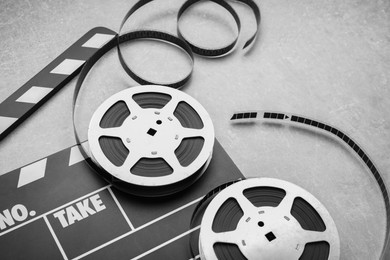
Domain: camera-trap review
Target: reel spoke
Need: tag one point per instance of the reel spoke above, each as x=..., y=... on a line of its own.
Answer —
x=191, y=132
x=170, y=107
x=246, y=206
x=230, y=237
x=287, y=203
x=172, y=160
x=112, y=131
x=133, y=106
x=131, y=160
x=314, y=236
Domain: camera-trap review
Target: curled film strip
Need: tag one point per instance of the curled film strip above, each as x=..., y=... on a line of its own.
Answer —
x=223, y=3
x=263, y=217
x=188, y=47
x=161, y=36
x=21, y=104
x=251, y=116
x=224, y=50
x=204, y=51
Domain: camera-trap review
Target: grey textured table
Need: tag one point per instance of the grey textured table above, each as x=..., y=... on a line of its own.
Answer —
x=328, y=60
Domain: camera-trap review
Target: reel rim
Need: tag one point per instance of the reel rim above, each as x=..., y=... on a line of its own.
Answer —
x=199, y=164
x=206, y=248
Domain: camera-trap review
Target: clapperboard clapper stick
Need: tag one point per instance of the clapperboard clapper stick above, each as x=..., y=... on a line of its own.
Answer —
x=35, y=92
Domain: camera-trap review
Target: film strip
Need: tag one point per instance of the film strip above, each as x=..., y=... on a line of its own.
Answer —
x=182, y=42
x=224, y=50
x=251, y=116
x=210, y=52
x=262, y=216
x=206, y=52
x=21, y=104
x=28, y=98
x=152, y=35
x=155, y=35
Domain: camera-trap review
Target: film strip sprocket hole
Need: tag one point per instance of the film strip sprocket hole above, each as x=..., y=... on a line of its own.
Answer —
x=251, y=116
x=157, y=36
x=266, y=217
x=208, y=52
x=224, y=50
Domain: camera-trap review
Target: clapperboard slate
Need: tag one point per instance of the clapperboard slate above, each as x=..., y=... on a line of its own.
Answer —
x=59, y=208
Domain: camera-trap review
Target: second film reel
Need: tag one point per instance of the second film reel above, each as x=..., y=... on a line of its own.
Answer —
x=264, y=218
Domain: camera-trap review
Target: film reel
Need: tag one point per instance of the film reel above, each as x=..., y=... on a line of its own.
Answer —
x=264, y=218
x=287, y=118
x=151, y=140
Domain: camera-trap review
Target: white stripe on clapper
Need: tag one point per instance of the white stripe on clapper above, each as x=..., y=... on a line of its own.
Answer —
x=138, y=228
x=166, y=243
x=67, y=66
x=55, y=238
x=6, y=122
x=98, y=40
x=34, y=94
x=32, y=172
x=120, y=208
x=75, y=155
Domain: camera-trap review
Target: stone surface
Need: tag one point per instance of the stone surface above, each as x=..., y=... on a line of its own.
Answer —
x=328, y=60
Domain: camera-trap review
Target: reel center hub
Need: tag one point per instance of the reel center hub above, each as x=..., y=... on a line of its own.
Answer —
x=269, y=219
x=269, y=233
x=151, y=133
